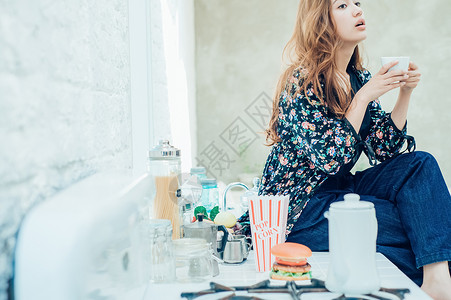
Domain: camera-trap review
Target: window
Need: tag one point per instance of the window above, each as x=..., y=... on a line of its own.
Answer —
x=140, y=83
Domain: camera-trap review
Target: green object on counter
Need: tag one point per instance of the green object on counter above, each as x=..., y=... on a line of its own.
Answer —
x=200, y=210
x=214, y=212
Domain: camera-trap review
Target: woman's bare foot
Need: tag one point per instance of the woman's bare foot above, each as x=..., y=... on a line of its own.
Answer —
x=437, y=281
x=438, y=291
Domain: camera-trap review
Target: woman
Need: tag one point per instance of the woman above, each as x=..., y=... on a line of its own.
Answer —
x=325, y=114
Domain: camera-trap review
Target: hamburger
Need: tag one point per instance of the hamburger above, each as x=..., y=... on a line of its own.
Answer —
x=291, y=262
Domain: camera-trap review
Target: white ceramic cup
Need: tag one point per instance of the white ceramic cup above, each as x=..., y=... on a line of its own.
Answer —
x=403, y=62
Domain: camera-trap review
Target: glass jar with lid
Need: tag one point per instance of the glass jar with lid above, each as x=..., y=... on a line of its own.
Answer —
x=210, y=193
x=161, y=254
x=194, y=260
x=164, y=166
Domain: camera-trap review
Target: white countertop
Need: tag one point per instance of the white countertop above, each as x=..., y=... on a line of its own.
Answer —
x=245, y=274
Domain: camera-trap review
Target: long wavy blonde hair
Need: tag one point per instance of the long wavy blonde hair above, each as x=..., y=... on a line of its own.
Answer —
x=313, y=47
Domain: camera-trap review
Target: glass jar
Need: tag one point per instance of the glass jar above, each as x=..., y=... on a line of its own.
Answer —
x=162, y=261
x=194, y=260
x=198, y=173
x=210, y=194
x=164, y=166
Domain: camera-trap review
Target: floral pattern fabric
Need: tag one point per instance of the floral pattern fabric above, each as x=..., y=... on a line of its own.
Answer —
x=315, y=144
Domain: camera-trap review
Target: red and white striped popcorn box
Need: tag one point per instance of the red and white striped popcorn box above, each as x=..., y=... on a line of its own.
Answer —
x=268, y=218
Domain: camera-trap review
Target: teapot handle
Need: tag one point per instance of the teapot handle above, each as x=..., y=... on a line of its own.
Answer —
x=225, y=237
x=375, y=226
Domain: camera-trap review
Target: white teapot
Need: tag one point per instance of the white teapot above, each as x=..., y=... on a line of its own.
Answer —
x=352, y=246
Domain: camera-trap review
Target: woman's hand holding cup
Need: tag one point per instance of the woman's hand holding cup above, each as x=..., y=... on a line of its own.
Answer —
x=382, y=82
x=413, y=80
x=405, y=64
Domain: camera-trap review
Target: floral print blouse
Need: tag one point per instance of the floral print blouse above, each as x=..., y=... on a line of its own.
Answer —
x=315, y=144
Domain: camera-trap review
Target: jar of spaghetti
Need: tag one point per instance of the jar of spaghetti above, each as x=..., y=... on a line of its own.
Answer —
x=164, y=167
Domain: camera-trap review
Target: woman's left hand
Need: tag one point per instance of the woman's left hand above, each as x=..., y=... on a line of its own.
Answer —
x=414, y=78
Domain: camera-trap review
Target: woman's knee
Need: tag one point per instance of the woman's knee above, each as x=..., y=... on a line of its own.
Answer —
x=423, y=155
x=420, y=157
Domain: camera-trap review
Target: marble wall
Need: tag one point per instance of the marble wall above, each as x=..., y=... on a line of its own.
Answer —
x=64, y=103
x=238, y=61
x=65, y=99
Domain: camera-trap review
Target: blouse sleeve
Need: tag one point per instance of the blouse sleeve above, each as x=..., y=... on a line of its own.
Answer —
x=327, y=141
x=384, y=137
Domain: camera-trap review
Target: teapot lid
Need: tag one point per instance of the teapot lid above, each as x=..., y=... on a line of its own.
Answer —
x=352, y=201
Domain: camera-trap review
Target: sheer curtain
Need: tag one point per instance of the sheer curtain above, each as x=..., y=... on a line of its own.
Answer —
x=173, y=80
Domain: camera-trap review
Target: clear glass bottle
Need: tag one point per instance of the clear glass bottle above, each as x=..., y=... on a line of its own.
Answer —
x=165, y=166
x=162, y=260
x=244, y=200
x=210, y=194
x=188, y=213
x=191, y=193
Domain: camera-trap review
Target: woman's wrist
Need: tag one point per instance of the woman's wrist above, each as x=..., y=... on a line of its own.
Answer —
x=360, y=99
x=356, y=112
x=404, y=96
x=405, y=92
x=399, y=112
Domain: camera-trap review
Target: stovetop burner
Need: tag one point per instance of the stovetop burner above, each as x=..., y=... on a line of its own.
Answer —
x=290, y=287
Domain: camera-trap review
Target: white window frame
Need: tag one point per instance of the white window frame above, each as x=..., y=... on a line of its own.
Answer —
x=140, y=83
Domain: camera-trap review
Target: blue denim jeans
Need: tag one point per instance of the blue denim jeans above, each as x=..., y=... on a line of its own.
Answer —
x=413, y=211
